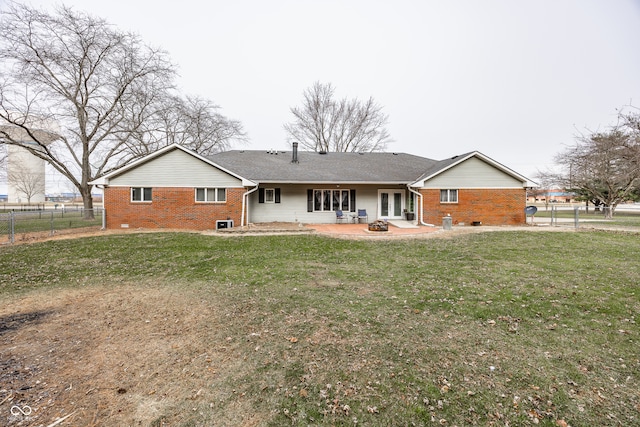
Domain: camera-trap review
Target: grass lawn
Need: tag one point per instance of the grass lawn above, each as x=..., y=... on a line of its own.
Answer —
x=175, y=329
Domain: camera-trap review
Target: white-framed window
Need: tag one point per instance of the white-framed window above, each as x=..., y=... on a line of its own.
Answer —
x=141, y=194
x=332, y=200
x=448, y=196
x=211, y=194
x=269, y=195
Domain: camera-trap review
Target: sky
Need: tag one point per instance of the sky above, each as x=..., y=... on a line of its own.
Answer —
x=516, y=80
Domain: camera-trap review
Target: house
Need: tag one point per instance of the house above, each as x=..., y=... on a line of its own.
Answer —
x=178, y=188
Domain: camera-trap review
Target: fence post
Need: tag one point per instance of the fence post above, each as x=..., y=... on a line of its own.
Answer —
x=104, y=219
x=52, y=229
x=11, y=227
x=576, y=216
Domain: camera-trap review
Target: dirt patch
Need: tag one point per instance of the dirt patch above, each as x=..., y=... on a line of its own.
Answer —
x=41, y=236
x=109, y=356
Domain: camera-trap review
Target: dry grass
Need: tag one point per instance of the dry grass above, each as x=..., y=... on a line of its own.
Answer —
x=191, y=330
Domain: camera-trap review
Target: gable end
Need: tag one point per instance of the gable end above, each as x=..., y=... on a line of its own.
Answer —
x=175, y=168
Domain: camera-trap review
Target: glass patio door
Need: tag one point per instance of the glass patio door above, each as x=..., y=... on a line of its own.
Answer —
x=390, y=204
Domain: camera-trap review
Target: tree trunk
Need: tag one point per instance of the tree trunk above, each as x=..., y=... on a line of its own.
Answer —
x=608, y=211
x=87, y=203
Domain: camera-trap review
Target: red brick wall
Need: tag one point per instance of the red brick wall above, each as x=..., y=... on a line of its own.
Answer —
x=489, y=206
x=172, y=207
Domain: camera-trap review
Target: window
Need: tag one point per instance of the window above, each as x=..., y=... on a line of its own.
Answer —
x=448, y=196
x=211, y=194
x=333, y=200
x=269, y=195
x=141, y=194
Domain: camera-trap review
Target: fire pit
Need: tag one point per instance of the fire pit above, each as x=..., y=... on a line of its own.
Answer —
x=378, y=226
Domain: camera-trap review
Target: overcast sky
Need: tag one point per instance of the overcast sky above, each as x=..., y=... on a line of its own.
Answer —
x=515, y=80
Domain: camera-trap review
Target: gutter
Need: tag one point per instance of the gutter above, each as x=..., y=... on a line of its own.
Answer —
x=421, y=213
x=245, y=196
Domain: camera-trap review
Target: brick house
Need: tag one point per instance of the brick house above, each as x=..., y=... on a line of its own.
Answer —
x=178, y=188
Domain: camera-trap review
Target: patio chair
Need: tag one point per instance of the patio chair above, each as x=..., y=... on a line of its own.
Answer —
x=362, y=214
x=341, y=217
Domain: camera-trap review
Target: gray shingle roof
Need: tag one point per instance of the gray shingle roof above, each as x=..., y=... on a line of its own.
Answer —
x=313, y=167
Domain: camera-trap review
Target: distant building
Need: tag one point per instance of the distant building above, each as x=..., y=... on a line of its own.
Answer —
x=26, y=172
x=25, y=176
x=551, y=196
x=71, y=198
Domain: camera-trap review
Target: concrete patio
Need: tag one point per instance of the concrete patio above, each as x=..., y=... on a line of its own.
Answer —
x=395, y=229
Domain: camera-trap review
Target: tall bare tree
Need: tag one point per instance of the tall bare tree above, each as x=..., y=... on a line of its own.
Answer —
x=603, y=167
x=89, y=98
x=325, y=124
x=191, y=121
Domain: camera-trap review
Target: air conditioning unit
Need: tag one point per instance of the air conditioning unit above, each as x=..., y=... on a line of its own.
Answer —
x=222, y=224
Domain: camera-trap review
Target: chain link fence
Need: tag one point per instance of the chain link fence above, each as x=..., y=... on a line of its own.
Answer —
x=27, y=225
x=625, y=217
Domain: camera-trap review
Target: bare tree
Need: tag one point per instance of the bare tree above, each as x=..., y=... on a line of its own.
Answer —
x=630, y=118
x=190, y=121
x=26, y=182
x=325, y=124
x=603, y=167
x=203, y=124
x=87, y=97
x=547, y=182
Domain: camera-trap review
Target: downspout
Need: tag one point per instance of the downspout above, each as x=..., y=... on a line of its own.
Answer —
x=245, y=196
x=421, y=213
x=104, y=212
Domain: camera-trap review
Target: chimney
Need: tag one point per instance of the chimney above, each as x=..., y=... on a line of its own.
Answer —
x=295, y=153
